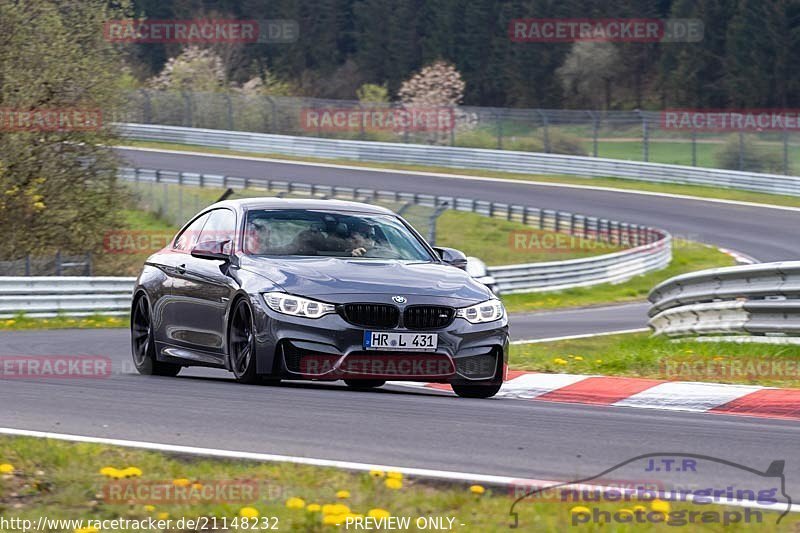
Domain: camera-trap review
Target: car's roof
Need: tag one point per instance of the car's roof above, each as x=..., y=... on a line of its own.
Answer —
x=271, y=202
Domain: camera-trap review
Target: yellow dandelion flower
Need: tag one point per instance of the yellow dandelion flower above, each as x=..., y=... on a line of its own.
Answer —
x=660, y=506
x=181, y=482
x=395, y=475
x=109, y=471
x=598, y=361
x=248, y=512
x=90, y=529
x=162, y=516
x=335, y=509
x=38, y=205
x=343, y=494
x=6, y=468
x=295, y=503
x=197, y=486
x=578, y=358
x=477, y=489
x=333, y=519
x=579, y=509
x=131, y=471
x=377, y=473
x=149, y=508
x=560, y=361
x=394, y=484
x=313, y=507
x=378, y=513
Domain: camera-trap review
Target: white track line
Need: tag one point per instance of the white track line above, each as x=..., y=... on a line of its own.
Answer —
x=467, y=177
x=420, y=472
x=581, y=336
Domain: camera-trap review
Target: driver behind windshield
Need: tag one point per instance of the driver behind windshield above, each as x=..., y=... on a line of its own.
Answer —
x=337, y=237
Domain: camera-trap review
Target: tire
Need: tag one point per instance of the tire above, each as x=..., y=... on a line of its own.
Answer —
x=481, y=389
x=242, y=344
x=143, y=346
x=364, y=383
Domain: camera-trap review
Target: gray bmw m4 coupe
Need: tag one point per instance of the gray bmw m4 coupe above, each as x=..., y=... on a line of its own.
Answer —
x=274, y=289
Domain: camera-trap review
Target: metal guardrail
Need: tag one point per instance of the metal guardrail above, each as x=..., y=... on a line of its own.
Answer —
x=752, y=302
x=473, y=158
x=650, y=249
x=47, y=296
x=640, y=135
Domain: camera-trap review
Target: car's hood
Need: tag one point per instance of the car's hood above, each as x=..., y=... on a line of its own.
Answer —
x=318, y=276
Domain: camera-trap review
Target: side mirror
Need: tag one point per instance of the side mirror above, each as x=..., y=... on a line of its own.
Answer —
x=212, y=250
x=452, y=257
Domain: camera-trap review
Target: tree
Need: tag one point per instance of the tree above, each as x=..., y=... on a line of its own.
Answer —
x=195, y=69
x=589, y=72
x=58, y=189
x=372, y=93
x=438, y=84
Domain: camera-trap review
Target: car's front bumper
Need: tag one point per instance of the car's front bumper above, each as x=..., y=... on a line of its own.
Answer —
x=331, y=348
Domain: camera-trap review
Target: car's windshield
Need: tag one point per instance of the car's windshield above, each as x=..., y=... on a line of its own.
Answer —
x=300, y=232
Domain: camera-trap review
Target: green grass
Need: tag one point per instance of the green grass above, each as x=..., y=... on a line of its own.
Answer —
x=61, y=480
x=492, y=240
x=644, y=356
x=614, y=183
x=687, y=256
x=22, y=322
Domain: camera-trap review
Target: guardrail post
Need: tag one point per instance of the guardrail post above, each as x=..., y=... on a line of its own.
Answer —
x=147, y=111
x=499, y=121
x=694, y=147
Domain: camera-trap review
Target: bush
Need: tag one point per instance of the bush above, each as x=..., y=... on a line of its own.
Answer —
x=754, y=158
x=560, y=143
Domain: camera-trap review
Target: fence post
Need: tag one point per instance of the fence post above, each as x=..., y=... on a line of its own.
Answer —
x=645, y=139
x=187, y=109
x=499, y=130
x=545, y=131
x=595, y=131
x=147, y=111
x=432, y=222
x=229, y=104
x=785, y=151
x=741, y=150
x=694, y=147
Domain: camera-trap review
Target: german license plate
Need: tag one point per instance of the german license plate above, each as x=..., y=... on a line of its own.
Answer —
x=407, y=342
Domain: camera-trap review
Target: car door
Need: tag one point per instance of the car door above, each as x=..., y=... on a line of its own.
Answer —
x=201, y=293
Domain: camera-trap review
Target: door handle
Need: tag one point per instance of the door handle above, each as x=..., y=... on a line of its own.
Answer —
x=181, y=269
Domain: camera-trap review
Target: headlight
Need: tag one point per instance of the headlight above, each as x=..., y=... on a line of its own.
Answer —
x=483, y=312
x=297, y=306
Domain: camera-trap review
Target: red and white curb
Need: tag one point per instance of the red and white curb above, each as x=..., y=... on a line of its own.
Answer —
x=699, y=397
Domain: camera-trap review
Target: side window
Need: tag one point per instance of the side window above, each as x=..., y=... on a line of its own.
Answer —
x=188, y=237
x=221, y=226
